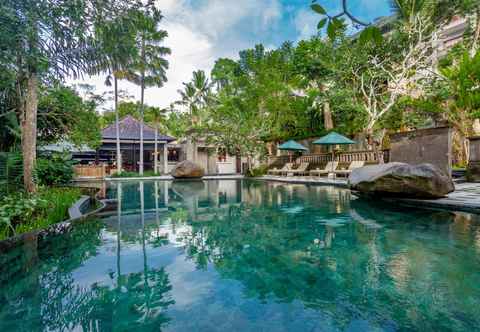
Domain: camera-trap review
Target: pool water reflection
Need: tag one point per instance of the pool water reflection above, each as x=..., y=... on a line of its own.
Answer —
x=246, y=256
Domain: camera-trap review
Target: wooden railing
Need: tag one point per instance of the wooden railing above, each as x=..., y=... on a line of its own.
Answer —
x=368, y=156
x=90, y=171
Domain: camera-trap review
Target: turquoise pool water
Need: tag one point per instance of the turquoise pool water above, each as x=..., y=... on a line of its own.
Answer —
x=247, y=256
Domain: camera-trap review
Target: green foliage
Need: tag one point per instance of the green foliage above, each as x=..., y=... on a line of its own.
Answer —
x=63, y=114
x=20, y=213
x=126, y=174
x=349, y=117
x=133, y=109
x=319, y=9
x=257, y=171
x=15, y=208
x=55, y=170
x=337, y=23
x=464, y=81
x=11, y=172
x=413, y=113
x=371, y=33
x=9, y=125
x=177, y=124
x=196, y=95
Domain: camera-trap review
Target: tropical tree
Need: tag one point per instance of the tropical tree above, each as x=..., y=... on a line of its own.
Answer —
x=53, y=39
x=196, y=95
x=118, y=40
x=64, y=115
x=150, y=67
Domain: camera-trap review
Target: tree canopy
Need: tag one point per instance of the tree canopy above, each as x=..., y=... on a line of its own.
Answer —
x=367, y=85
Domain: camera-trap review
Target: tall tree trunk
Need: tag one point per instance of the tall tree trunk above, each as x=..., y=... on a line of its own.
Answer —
x=141, y=125
x=29, y=132
x=155, y=162
x=327, y=116
x=117, y=125
x=142, y=97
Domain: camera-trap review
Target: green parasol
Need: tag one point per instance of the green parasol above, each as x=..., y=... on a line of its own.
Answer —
x=292, y=146
x=333, y=139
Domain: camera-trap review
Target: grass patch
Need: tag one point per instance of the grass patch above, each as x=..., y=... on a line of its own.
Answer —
x=21, y=213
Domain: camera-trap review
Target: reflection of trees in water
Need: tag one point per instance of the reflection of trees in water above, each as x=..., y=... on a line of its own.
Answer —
x=47, y=297
x=402, y=257
x=44, y=297
x=137, y=300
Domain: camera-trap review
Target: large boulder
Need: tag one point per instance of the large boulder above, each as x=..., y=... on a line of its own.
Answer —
x=401, y=180
x=187, y=170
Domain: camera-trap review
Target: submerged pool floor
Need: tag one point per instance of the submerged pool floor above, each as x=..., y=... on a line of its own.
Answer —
x=239, y=255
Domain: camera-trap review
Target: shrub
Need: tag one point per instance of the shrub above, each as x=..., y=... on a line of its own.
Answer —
x=126, y=174
x=11, y=172
x=56, y=170
x=257, y=171
x=20, y=213
x=16, y=208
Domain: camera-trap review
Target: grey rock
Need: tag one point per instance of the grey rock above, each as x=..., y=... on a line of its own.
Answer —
x=187, y=170
x=401, y=180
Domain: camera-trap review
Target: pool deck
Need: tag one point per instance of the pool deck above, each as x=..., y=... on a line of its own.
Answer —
x=466, y=196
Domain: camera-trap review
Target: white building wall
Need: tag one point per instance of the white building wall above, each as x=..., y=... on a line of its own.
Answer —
x=227, y=167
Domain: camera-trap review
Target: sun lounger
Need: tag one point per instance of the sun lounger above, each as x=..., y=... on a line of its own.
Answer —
x=330, y=168
x=301, y=170
x=286, y=168
x=353, y=165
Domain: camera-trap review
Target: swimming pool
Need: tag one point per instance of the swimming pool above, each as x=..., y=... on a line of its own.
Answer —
x=240, y=255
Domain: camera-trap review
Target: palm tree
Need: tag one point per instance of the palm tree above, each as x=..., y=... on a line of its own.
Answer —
x=196, y=94
x=117, y=38
x=151, y=66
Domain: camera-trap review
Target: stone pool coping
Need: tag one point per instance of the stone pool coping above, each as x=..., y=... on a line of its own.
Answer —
x=77, y=212
x=170, y=178
x=306, y=180
x=465, y=198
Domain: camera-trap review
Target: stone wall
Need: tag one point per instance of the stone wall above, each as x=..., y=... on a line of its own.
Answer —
x=433, y=145
x=473, y=170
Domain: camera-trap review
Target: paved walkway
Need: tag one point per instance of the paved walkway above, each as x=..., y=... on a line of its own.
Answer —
x=466, y=196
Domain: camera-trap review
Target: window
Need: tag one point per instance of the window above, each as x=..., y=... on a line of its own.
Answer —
x=222, y=155
x=173, y=155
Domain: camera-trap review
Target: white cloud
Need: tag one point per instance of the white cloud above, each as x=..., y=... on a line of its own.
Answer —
x=198, y=35
x=306, y=22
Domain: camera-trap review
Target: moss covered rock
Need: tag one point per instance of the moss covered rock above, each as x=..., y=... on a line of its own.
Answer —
x=401, y=180
x=187, y=170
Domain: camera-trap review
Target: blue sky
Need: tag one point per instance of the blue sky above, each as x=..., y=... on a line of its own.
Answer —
x=200, y=31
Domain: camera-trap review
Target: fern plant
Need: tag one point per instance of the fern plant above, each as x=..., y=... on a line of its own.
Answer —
x=11, y=172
